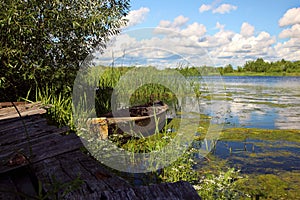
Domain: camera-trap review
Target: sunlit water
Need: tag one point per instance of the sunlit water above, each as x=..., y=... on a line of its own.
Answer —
x=260, y=102
x=257, y=102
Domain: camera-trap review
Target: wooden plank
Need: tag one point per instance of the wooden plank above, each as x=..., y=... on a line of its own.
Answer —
x=25, y=110
x=9, y=104
x=42, y=148
x=19, y=123
x=67, y=167
x=23, y=113
x=17, y=184
x=8, y=190
x=42, y=136
x=56, y=146
x=99, y=183
x=176, y=191
x=179, y=190
x=19, y=135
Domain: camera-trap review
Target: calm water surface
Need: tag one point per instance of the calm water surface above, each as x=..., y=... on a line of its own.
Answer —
x=257, y=102
x=260, y=102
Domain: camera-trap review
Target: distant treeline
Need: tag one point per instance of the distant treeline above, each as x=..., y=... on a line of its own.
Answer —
x=260, y=65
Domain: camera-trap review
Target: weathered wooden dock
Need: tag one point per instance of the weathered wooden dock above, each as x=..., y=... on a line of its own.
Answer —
x=38, y=159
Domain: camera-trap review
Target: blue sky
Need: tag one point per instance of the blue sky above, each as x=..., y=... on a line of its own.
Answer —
x=230, y=32
x=263, y=14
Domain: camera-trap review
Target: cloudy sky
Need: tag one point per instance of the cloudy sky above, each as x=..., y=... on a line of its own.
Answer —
x=221, y=31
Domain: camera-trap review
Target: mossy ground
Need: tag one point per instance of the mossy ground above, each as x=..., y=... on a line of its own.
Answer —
x=241, y=134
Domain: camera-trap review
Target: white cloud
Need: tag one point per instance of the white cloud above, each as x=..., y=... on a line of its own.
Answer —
x=219, y=40
x=265, y=39
x=289, y=50
x=165, y=24
x=176, y=24
x=194, y=29
x=137, y=16
x=204, y=8
x=238, y=48
x=247, y=29
x=224, y=8
x=220, y=26
x=293, y=32
x=291, y=17
x=180, y=21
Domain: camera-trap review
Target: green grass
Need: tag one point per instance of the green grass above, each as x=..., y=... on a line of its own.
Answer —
x=58, y=105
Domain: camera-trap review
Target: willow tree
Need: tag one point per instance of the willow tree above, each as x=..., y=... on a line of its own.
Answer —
x=43, y=42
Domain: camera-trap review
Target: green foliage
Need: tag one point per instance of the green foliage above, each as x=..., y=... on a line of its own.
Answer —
x=228, y=69
x=240, y=69
x=257, y=67
x=44, y=42
x=59, y=105
x=282, y=66
x=181, y=169
x=220, y=186
x=189, y=71
x=150, y=92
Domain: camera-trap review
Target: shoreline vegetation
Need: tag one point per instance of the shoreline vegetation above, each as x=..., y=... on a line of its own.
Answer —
x=262, y=74
x=261, y=68
x=258, y=67
x=217, y=179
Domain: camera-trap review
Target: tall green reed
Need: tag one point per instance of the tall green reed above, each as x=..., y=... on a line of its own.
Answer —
x=59, y=105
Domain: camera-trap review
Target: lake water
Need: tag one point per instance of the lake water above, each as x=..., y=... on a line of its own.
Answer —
x=267, y=102
x=258, y=102
x=260, y=156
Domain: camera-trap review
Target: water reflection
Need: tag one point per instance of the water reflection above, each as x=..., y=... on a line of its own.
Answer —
x=260, y=156
x=260, y=102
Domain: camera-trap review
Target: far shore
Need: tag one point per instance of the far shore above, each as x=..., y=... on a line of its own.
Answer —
x=260, y=74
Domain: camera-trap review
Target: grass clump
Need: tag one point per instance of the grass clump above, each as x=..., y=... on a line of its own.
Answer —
x=223, y=185
x=59, y=105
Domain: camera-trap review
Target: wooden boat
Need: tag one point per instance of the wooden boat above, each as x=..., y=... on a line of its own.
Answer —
x=138, y=121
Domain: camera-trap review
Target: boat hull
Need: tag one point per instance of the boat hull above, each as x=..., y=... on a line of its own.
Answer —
x=138, y=121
